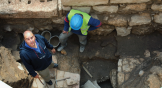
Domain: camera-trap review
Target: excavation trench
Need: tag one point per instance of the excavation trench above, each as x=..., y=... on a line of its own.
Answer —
x=100, y=57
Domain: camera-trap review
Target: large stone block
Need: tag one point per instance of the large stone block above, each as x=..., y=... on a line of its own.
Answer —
x=110, y=9
x=141, y=19
x=128, y=1
x=83, y=2
x=118, y=21
x=123, y=31
x=153, y=81
x=158, y=18
x=142, y=30
x=35, y=9
x=103, y=30
x=156, y=7
x=83, y=9
x=135, y=7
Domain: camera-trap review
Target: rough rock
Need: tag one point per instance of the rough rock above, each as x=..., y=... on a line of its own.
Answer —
x=103, y=30
x=110, y=9
x=156, y=7
x=58, y=20
x=120, y=78
x=157, y=70
x=118, y=21
x=141, y=19
x=83, y=2
x=83, y=9
x=154, y=81
x=123, y=31
x=128, y=1
x=142, y=29
x=135, y=7
x=158, y=18
x=66, y=8
x=147, y=53
x=141, y=73
x=9, y=70
x=113, y=78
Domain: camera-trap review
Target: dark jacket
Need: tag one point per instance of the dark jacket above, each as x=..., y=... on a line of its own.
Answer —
x=33, y=60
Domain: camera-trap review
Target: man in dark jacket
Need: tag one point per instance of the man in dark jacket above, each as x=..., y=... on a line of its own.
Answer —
x=36, y=57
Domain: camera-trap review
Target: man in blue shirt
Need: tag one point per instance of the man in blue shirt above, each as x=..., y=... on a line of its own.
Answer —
x=36, y=57
x=77, y=22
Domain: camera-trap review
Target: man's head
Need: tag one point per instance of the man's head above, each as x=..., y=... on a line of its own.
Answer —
x=29, y=38
x=76, y=22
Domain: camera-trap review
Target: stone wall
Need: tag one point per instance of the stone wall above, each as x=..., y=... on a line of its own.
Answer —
x=125, y=16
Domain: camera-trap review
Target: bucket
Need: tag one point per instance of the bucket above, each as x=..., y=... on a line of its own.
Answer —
x=54, y=40
x=46, y=34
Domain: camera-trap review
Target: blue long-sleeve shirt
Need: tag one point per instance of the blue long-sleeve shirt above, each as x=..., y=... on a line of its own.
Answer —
x=93, y=23
x=33, y=60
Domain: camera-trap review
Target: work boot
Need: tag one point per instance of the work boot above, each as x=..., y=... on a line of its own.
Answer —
x=82, y=47
x=61, y=47
x=50, y=82
x=55, y=65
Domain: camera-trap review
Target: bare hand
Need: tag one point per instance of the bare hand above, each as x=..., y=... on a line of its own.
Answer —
x=65, y=32
x=37, y=76
x=53, y=51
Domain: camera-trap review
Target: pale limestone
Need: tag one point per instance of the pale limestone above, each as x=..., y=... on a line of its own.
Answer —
x=126, y=76
x=74, y=78
x=110, y=9
x=120, y=78
x=83, y=2
x=125, y=61
x=120, y=62
x=59, y=5
x=141, y=19
x=119, y=69
x=141, y=73
x=113, y=78
x=158, y=18
x=83, y=9
x=135, y=7
x=126, y=68
x=153, y=81
x=156, y=7
x=147, y=53
x=123, y=31
x=128, y=1
x=119, y=21
x=66, y=8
